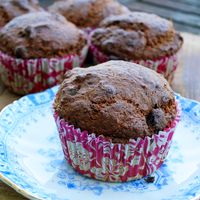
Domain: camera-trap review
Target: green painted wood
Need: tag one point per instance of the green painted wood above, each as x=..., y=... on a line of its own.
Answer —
x=181, y=18
x=186, y=17
x=175, y=5
x=188, y=2
x=46, y=3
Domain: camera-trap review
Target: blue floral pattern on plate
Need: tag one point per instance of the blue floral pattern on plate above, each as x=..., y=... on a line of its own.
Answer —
x=32, y=162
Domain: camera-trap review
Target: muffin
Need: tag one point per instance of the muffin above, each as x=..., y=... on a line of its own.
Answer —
x=37, y=49
x=138, y=37
x=12, y=8
x=116, y=120
x=87, y=13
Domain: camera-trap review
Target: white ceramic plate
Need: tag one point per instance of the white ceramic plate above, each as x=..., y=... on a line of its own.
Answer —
x=31, y=159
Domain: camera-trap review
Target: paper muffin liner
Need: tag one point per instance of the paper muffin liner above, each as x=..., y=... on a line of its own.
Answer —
x=165, y=65
x=25, y=76
x=97, y=157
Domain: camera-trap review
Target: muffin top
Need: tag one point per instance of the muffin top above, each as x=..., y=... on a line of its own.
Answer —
x=41, y=35
x=136, y=36
x=117, y=99
x=87, y=13
x=10, y=9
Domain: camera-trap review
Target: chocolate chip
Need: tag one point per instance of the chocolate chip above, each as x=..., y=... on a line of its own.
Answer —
x=109, y=89
x=30, y=32
x=156, y=119
x=20, y=52
x=165, y=99
x=72, y=91
x=27, y=32
x=155, y=106
x=80, y=79
x=143, y=86
x=150, y=179
x=22, y=34
x=90, y=82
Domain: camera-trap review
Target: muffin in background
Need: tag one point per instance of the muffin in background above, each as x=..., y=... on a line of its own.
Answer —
x=88, y=13
x=138, y=37
x=116, y=120
x=37, y=49
x=10, y=9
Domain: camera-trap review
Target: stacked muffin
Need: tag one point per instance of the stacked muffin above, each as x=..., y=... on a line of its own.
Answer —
x=12, y=8
x=88, y=13
x=138, y=37
x=37, y=49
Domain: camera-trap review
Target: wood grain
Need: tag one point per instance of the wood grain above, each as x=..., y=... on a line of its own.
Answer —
x=187, y=77
x=178, y=17
x=174, y=5
x=6, y=193
x=184, y=13
x=186, y=83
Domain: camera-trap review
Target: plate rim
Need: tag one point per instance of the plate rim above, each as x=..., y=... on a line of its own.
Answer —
x=23, y=191
x=3, y=178
x=17, y=188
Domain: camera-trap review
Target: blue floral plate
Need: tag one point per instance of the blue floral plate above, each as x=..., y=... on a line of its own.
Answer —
x=31, y=159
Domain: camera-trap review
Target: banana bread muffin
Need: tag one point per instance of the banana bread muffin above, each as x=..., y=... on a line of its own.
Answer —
x=10, y=9
x=139, y=37
x=88, y=13
x=37, y=49
x=116, y=120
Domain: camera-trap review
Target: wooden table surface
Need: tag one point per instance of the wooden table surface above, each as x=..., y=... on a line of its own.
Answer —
x=186, y=82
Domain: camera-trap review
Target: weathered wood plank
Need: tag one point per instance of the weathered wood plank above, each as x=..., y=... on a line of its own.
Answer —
x=174, y=5
x=1, y=87
x=46, y=3
x=182, y=18
x=6, y=97
x=191, y=71
x=180, y=25
x=183, y=28
x=6, y=193
x=188, y=2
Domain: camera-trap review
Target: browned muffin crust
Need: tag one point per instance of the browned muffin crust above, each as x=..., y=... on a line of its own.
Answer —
x=10, y=9
x=87, y=13
x=41, y=35
x=136, y=36
x=117, y=99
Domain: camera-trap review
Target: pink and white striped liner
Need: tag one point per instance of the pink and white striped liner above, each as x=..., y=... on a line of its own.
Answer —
x=25, y=76
x=97, y=157
x=165, y=65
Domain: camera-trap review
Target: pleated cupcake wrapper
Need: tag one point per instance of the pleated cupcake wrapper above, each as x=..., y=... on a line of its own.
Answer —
x=33, y=75
x=97, y=157
x=165, y=65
